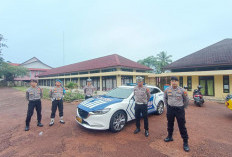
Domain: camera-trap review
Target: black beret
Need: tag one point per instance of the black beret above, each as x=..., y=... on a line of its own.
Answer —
x=174, y=78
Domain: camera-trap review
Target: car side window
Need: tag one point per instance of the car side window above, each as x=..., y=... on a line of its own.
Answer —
x=154, y=90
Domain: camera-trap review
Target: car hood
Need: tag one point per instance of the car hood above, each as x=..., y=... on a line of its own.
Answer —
x=98, y=103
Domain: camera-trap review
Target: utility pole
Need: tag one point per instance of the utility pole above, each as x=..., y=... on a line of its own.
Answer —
x=63, y=50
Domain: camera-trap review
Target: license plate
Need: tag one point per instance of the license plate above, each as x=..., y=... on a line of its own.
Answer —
x=79, y=119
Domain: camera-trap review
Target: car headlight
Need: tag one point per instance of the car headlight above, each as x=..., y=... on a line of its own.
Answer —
x=103, y=111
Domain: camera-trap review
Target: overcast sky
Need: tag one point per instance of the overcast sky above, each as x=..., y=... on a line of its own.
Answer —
x=134, y=29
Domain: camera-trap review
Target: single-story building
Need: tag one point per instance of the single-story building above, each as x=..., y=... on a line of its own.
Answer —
x=210, y=67
x=106, y=72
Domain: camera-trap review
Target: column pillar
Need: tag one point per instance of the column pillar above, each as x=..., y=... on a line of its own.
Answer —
x=79, y=82
x=134, y=78
x=119, y=80
x=100, y=83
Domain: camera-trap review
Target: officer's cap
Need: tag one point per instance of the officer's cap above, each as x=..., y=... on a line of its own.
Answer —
x=57, y=80
x=89, y=80
x=174, y=78
x=34, y=80
x=139, y=79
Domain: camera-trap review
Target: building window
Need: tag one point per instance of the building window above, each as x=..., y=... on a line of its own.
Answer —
x=189, y=83
x=141, y=71
x=83, y=82
x=109, y=70
x=84, y=72
x=108, y=83
x=226, y=84
x=96, y=82
x=74, y=73
x=53, y=82
x=75, y=80
x=125, y=69
x=95, y=71
x=126, y=79
x=181, y=81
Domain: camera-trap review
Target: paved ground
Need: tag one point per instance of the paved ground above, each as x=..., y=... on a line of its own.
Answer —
x=209, y=127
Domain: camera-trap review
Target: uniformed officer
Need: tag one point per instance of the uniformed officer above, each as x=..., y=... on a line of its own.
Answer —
x=89, y=89
x=56, y=95
x=33, y=95
x=176, y=99
x=142, y=96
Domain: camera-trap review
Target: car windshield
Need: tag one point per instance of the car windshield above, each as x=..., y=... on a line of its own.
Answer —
x=121, y=93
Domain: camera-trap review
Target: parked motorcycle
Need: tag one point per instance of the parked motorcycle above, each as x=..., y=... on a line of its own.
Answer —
x=198, y=97
x=229, y=101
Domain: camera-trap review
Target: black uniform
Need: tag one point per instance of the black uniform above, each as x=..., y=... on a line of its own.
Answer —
x=176, y=100
x=56, y=95
x=33, y=95
x=142, y=96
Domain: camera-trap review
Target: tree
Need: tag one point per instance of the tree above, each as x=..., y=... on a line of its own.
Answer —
x=149, y=62
x=163, y=60
x=157, y=63
x=2, y=44
x=10, y=72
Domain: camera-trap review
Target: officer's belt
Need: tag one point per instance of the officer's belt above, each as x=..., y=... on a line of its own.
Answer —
x=176, y=107
x=58, y=98
x=139, y=103
x=35, y=100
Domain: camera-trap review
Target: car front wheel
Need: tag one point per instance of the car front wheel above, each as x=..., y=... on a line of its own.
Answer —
x=118, y=121
x=160, y=108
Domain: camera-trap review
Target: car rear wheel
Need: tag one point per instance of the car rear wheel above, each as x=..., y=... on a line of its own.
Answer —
x=160, y=108
x=118, y=121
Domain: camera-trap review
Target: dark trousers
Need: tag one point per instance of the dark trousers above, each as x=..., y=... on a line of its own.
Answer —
x=141, y=108
x=179, y=114
x=87, y=97
x=31, y=105
x=55, y=104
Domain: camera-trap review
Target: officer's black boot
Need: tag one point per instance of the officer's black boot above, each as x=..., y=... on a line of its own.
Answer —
x=146, y=133
x=39, y=124
x=185, y=146
x=27, y=128
x=137, y=130
x=168, y=138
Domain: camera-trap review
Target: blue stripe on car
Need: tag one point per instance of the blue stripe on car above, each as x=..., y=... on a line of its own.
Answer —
x=98, y=103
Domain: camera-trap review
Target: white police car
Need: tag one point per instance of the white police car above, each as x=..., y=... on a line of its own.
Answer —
x=114, y=109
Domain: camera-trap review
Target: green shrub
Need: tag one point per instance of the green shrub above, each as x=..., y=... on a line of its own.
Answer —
x=46, y=93
x=69, y=97
x=71, y=85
